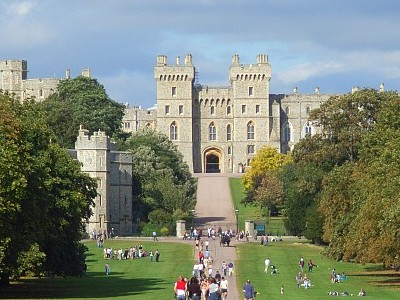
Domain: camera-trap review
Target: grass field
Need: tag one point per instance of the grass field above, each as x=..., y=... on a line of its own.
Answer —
x=378, y=283
x=274, y=225
x=137, y=279
x=141, y=279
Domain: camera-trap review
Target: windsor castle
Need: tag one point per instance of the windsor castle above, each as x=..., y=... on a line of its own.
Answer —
x=217, y=129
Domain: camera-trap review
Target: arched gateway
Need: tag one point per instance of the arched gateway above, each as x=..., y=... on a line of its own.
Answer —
x=213, y=160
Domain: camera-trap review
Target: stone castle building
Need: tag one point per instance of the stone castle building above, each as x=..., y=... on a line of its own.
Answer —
x=113, y=170
x=14, y=79
x=220, y=129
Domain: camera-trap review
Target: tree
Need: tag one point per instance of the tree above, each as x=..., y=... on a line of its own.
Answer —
x=82, y=101
x=374, y=234
x=267, y=159
x=162, y=179
x=44, y=197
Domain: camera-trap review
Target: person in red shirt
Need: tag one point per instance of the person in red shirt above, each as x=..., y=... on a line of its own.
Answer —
x=180, y=288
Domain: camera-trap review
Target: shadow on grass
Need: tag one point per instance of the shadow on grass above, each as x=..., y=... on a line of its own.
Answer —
x=94, y=285
x=381, y=277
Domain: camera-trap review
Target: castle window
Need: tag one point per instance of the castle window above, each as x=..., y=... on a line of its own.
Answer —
x=212, y=110
x=228, y=110
x=41, y=93
x=173, y=132
x=250, y=149
x=287, y=132
x=308, y=129
x=243, y=109
x=308, y=109
x=148, y=125
x=250, y=131
x=287, y=110
x=174, y=91
x=229, y=150
x=257, y=109
x=127, y=125
x=212, y=132
x=100, y=200
x=228, y=132
x=167, y=109
x=181, y=109
x=251, y=90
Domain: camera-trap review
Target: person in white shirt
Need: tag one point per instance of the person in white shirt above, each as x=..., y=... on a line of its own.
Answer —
x=267, y=263
x=224, y=288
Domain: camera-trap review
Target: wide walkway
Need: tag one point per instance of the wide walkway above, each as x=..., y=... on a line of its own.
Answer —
x=214, y=208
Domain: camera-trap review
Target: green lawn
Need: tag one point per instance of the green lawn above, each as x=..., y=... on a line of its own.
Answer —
x=274, y=225
x=144, y=280
x=130, y=279
x=378, y=284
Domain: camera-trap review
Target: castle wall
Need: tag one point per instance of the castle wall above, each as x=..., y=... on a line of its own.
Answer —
x=13, y=78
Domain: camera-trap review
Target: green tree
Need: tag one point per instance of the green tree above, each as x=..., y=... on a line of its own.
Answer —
x=162, y=179
x=82, y=101
x=374, y=234
x=44, y=197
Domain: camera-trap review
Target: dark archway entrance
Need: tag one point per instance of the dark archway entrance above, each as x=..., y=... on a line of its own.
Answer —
x=212, y=164
x=213, y=161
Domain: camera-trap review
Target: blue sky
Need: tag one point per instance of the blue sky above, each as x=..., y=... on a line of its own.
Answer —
x=331, y=44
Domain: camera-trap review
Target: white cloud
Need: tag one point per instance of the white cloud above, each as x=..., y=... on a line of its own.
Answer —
x=20, y=9
x=302, y=72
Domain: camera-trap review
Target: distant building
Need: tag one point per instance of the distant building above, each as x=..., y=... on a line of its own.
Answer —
x=14, y=79
x=220, y=129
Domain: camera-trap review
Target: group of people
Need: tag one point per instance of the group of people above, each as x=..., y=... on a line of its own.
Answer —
x=202, y=288
x=99, y=236
x=337, y=277
x=131, y=253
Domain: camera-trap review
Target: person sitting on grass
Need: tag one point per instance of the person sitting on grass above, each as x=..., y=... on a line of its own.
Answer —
x=306, y=281
x=362, y=293
x=274, y=270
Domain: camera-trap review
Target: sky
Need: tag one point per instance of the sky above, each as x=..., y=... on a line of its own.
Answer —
x=334, y=45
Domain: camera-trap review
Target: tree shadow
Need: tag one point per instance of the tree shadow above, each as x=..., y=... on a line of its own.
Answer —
x=94, y=285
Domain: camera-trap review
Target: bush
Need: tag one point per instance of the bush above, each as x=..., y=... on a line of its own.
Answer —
x=164, y=231
x=149, y=228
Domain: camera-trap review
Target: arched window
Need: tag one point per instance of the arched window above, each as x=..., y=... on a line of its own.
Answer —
x=287, y=133
x=228, y=110
x=308, y=109
x=212, y=110
x=250, y=131
x=287, y=110
x=173, y=131
x=228, y=132
x=213, y=132
x=308, y=129
x=229, y=150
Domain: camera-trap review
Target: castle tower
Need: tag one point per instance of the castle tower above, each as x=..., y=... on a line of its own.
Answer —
x=12, y=73
x=250, y=87
x=174, y=102
x=94, y=152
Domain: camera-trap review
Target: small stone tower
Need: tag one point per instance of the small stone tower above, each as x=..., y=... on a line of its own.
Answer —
x=113, y=170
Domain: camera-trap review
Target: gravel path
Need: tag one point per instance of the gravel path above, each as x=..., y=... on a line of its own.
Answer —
x=214, y=208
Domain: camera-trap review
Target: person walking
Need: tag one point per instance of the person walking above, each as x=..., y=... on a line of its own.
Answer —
x=248, y=290
x=180, y=288
x=157, y=255
x=155, y=236
x=107, y=269
x=224, y=288
x=194, y=290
